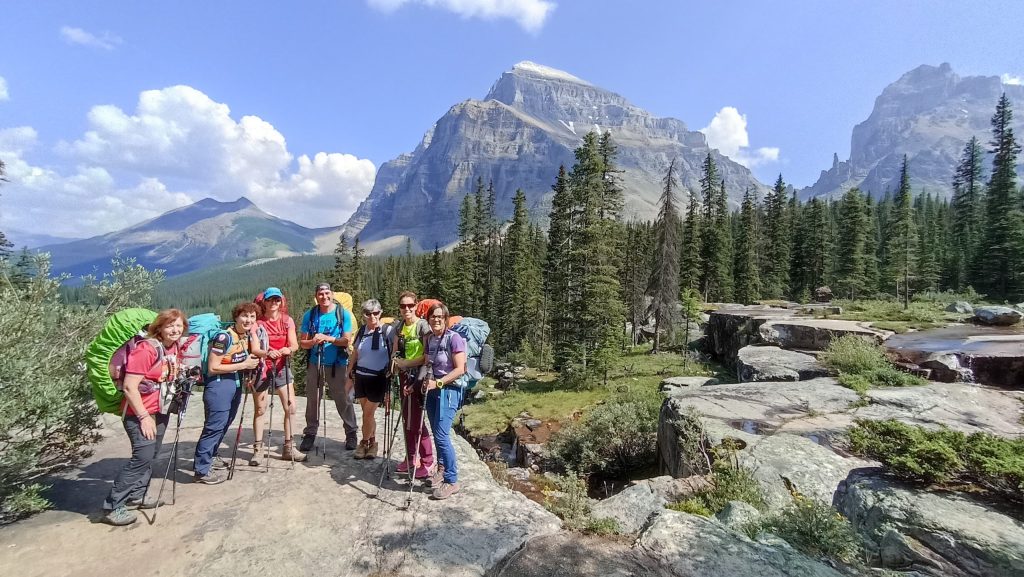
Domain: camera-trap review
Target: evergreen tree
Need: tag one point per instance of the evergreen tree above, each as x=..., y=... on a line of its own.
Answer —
x=1003, y=244
x=928, y=254
x=354, y=283
x=748, y=282
x=967, y=205
x=663, y=286
x=871, y=242
x=559, y=279
x=342, y=260
x=515, y=289
x=778, y=239
x=689, y=262
x=635, y=274
x=901, y=239
x=715, y=253
x=723, y=230
x=434, y=286
x=851, y=270
x=461, y=290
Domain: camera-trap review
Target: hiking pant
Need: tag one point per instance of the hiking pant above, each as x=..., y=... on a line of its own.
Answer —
x=412, y=415
x=221, y=397
x=442, y=404
x=336, y=377
x=133, y=480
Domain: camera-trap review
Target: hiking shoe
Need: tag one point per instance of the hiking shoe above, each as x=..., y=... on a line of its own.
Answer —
x=361, y=449
x=149, y=502
x=445, y=490
x=257, y=448
x=120, y=517
x=438, y=477
x=290, y=453
x=219, y=464
x=211, y=478
x=422, y=472
x=351, y=442
x=403, y=468
x=371, y=449
x=307, y=443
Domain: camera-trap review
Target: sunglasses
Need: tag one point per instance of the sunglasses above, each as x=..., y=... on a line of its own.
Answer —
x=406, y=306
x=437, y=317
x=371, y=313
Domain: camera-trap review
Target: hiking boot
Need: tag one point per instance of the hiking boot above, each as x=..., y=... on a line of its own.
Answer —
x=445, y=490
x=219, y=464
x=149, y=502
x=422, y=472
x=307, y=443
x=211, y=478
x=437, y=478
x=403, y=468
x=361, y=449
x=290, y=453
x=371, y=449
x=257, y=448
x=351, y=442
x=120, y=517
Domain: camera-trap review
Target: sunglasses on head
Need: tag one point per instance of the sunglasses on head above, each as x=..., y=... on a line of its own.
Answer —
x=406, y=305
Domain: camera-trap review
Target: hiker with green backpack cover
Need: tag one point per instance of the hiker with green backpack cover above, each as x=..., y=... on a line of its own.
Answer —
x=151, y=363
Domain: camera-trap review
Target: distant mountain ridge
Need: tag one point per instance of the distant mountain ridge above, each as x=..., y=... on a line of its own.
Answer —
x=196, y=236
x=527, y=125
x=929, y=114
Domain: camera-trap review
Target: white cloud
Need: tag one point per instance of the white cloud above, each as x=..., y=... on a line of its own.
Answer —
x=4, y=95
x=727, y=132
x=105, y=41
x=176, y=147
x=529, y=14
x=1012, y=80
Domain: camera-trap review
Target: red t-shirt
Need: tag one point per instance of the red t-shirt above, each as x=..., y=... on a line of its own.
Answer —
x=277, y=331
x=141, y=361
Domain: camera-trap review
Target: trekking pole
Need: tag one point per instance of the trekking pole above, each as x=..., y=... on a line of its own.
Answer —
x=271, y=391
x=172, y=459
x=419, y=439
x=321, y=376
x=389, y=442
x=289, y=404
x=238, y=435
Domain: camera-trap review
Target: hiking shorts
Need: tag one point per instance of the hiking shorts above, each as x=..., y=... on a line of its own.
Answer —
x=281, y=379
x=371, y=387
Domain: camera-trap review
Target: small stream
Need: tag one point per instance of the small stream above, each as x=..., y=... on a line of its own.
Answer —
x=989, y=355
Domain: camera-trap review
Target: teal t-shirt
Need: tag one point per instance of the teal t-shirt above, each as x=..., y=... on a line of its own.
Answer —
x=327, y=323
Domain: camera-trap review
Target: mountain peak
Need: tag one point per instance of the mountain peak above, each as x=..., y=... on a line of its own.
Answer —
x=527, y=68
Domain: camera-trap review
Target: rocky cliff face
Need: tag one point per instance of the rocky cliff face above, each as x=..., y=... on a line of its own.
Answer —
x=203, y=234
x=929, y=114
x=516, y=137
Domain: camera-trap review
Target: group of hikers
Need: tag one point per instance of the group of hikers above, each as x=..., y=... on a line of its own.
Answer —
x=252, y=356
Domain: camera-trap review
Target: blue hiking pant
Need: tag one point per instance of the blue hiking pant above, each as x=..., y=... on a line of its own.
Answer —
x=221, y=397
x=442, y=404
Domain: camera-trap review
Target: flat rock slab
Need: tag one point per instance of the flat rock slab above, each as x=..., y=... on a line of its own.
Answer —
x=574, y=555
x=319, y=518
x=688, y=546
x=774, y=364
x=631, y=507
x=816, y=334
x=931, y=533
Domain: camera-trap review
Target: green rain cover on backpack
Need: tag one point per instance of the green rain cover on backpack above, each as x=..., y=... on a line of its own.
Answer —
x=120, y=327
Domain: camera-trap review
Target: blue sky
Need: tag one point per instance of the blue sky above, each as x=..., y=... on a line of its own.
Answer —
x=112, y=112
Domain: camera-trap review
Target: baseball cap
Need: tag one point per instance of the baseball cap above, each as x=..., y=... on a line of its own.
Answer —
x=272, y=292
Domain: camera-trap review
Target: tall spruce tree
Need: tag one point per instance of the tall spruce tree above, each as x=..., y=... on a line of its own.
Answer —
x=871, y=242
x=689, y=261
x=461, y=290
x=748, y=282
x=926, y=209
x=901, y=239
x=851, y=258
x=779, y=239
x=968, y=193
x=342, y=260
x=516, y=287
x=355, y=279
x=663, y=283
x=436, y=273
x=560, y=281
x=715, y=253
x=1003, y=242
x=635, y=274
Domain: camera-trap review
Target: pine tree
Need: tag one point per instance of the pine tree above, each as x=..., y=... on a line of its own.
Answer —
x=967, y=209
x=434, y=286
x=723, y=230
x=515, y=289
x=715, y=252
x=778, y=238
x=1003, y=244
x=871, y=242
x=927, y=256
x=342, y=259
x=663, y=286
x=689, y=261
x=355, y=283
x=559, y=279
x=748, y=282
x=901, y=239
x=461, y=290
x=851, y=270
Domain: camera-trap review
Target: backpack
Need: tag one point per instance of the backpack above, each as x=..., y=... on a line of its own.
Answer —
x=386, y=334
x=194, y=346
x=344, y=301
x=479, y=354
x=107, y=355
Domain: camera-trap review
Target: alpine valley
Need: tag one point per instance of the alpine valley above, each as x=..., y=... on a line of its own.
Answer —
x=516, y=137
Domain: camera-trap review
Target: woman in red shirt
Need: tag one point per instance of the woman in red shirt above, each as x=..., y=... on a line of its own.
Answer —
x=280, y=330
x=145, y=425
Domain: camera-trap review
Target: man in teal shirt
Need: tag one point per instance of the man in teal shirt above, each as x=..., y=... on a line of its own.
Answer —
x=326, y=332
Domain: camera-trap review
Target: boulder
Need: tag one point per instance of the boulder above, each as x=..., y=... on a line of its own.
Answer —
x=962, y=307
x=998, y=316
x=816, y=334
x=738, y=514
x=823, y=294
x=674, y=384
x=945, y=367
x=773, y=364
x=631, y=507
x=934, y=534
x=685, y=545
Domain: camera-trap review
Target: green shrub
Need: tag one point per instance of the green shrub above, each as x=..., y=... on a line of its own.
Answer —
x=24, y=501
x=853, y=355
x=859, y=383
x=727, y=483
x=917, y=454
x=613, y=439
x=814, y=528
x=573, y=506
x=602, y=526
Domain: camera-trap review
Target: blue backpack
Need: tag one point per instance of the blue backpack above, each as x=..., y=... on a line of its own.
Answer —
x=194, y=346
x=479, y=354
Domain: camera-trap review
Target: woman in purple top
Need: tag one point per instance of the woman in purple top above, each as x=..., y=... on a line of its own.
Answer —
x=445, y=361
